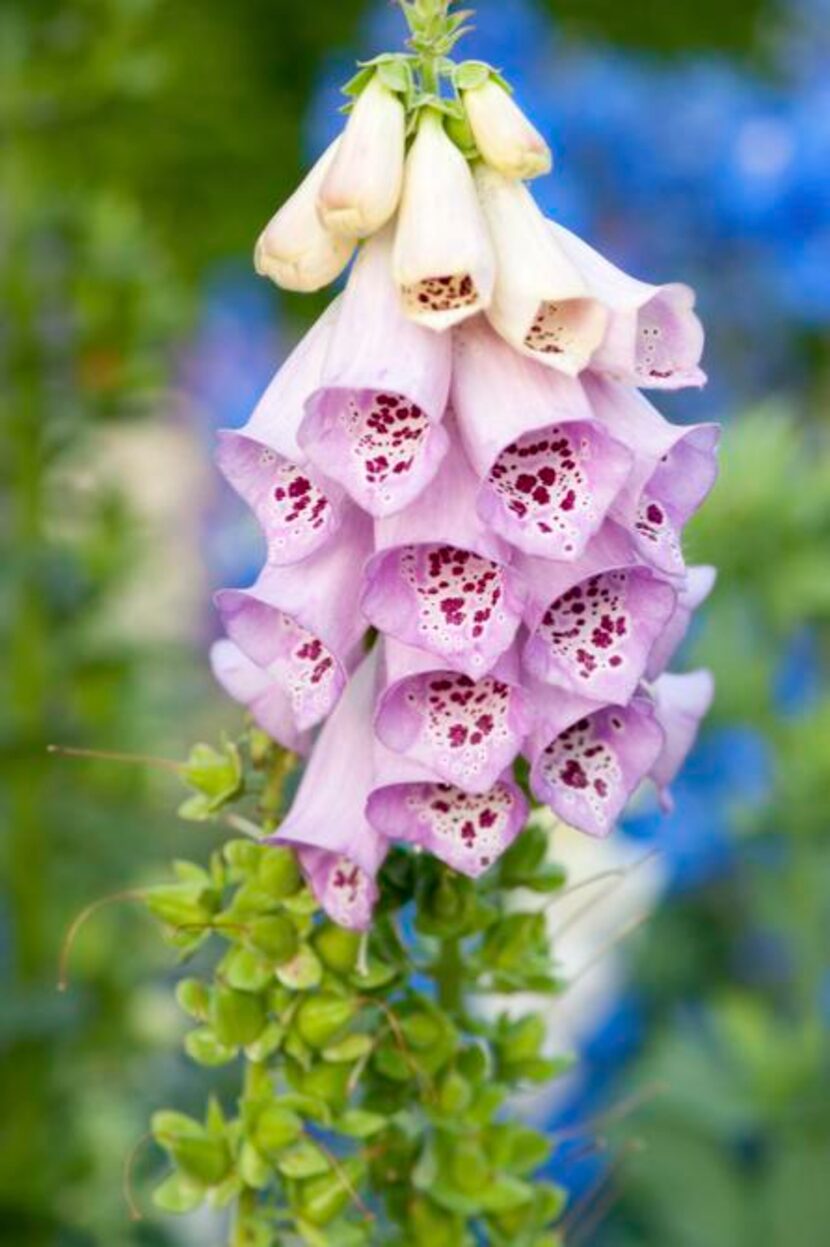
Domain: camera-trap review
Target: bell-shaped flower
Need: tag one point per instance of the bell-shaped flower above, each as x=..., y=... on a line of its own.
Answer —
x=464, y=732
x=504, y=136
x=339, y=850
x=549, y=471
x=299, y=623
x=588, y=761
x=541, y=304
x=674, y=471
x=593, y=624
x=681, y=704
x=295, y=249
x=444, y=264
x=296, y=507
x=467, y=831
x=692, y=593
x=654, y=339
x=265, y=698
x=374, y=423
x=362, y=187
x=440, y=581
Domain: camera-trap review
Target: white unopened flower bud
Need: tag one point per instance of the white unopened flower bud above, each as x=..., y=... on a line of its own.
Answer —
x=541, y=304
x=444, y=263
x=295, y=249
x=505, y=137
x=362, y=188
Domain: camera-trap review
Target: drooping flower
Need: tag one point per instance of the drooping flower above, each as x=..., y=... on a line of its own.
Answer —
x=468, y=831
x=697, y=587
x=588, y=761
x=299, y=623
x=266, y=698
x=504, y=136
x=295, y=249
x=374, y=423
x=681, y=703
x=339, y=850
x=654, y=339
x=675, y=468
x=549, y=470
x=362, y=187
x=297, y=509
x=444, y=264
x=440, y=581
x=464, y=732
x=593, y=624
x=541, y=304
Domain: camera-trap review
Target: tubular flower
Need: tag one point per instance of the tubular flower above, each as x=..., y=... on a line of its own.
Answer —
x=339, y=850
x=474, y=530
x=299, y=625
x=441, y=580
x=374, y=423
x=444, y=263
x=654, y=339
x=549, y=470
x=362, y=186
x=593, y=624
x=541, y=304
x=295, y=249
x=297, y=509
x=504, y=136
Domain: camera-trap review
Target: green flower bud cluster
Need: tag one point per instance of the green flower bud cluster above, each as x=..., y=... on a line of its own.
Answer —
x=373, y=1085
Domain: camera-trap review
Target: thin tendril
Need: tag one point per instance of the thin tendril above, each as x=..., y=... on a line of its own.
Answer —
x=68, y=943
x=104, y=755
x=623, y=934
x=127, y=1185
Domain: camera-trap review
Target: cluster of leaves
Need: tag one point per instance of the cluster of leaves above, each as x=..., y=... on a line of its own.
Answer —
x=374, y=1086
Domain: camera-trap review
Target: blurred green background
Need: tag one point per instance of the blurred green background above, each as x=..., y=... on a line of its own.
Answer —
x=143, y=144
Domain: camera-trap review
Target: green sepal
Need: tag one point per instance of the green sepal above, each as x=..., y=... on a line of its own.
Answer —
x=200, y=1154
x=269, y=1042
x=178, y=1194
x=253, y=1168
x=203, y=1047
x=306, y=1160
x=193, y=998
x=471, y=74
x=339, y=949
x=217, y=777
x=246, y=970
x=237, y=1018
x=278, y=873
x=186, y=907
x=322, y=1018
x=303, y=973
x=320, y=1200
x=275, y=936
x=347, y=1051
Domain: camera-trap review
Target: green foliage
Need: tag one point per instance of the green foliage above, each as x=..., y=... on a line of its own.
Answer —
x=372, y=1083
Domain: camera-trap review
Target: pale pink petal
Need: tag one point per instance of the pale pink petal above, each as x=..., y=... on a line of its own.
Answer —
x=594, y=623
x=468, y=831
x=654, y=339
x=297, y=508
x=698, y=585
x=301, y=624
x=466, y=732
x=339, y=850
x=681, y=704
x=440, y=581
x=264, y=697
x=587, y=761
x=374, y=424
x=550, y=472
x=675, y=468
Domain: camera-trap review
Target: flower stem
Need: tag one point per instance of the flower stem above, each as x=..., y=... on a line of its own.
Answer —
x=449, y=977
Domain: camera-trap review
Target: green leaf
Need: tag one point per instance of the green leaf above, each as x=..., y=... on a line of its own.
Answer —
x=276, y=1127
x=193, y=998
x=347, y=1051
x=360, y=1124
x=278, y=873
x=306, y=1160
x=216, y=775
x=267, y=1044
x=253, y=1167
x=276, y=937
x=320, y=1200
x=178, y=1194
x=338, y=948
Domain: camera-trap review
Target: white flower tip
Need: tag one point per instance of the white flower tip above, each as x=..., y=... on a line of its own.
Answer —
x=507, y=140
x=362, y=188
